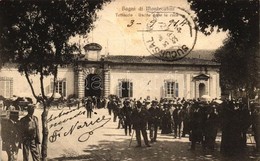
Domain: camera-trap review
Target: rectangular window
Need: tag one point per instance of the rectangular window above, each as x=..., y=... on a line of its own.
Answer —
x=171, y=89
x=6, y=87
x=60, y=87
x=125, y=88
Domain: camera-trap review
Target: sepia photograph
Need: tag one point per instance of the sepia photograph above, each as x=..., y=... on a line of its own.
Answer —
x=120, y=80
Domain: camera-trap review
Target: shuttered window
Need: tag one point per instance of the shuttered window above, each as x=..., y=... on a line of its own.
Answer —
x=61, y=87
x=171, y=89
x=125, y=88
x=6, y=87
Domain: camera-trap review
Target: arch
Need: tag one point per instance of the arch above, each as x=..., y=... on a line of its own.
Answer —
x=93, y=85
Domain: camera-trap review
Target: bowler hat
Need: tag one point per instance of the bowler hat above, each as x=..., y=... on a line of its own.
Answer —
x=30, y=106
x=14, y=113
x=154, y=101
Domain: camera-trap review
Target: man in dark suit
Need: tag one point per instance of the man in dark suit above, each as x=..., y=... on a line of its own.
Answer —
x=139, y=119
x=154, y=121
x=89, y=107
x=30, y=135
x=195, y=124
x=10, y=135
x=126, y=114
x=110, y=106
x=177, y=119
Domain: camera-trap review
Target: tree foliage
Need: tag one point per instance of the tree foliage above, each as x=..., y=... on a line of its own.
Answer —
x=35, y=35
x=238, y=55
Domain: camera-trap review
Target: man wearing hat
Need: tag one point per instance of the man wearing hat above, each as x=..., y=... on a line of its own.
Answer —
x=196, y=125
x=30, y=134
x=166, y=123
x=10, y=136
x=146, y=103
x=154, y=121
x=126, y=114
x=177, y=115
x=110, y=105
x=139, y=119
x=89, y=106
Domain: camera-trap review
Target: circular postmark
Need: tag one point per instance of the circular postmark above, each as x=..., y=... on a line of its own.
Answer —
x=170, y=35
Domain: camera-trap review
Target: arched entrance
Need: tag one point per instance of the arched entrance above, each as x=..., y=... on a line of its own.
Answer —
x=202, y=89
x=93, y=85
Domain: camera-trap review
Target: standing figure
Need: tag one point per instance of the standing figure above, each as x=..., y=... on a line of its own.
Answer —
x=115, y=108
x=99, y=102
x=244, y=117
x=177, y=120
x=126, y=114
x=139, y=119
x=94, y=101
x=186, y=119
x=120, y=115
x=231, y=130
x=166, y=120
x=110, y=106
x=89, y=107
x=195, y=125
x=103, y=102
x=256, y=124
x=154, y=121
x=10, y=135
x=211, y=127
x=30, y=135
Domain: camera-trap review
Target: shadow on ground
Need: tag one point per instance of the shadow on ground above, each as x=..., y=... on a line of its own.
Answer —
x=160, y=151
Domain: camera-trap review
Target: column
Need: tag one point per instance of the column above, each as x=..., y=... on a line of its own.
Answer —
x=197, y=89
x=76, y=82
x=188, y=88
x=211, y=85
x=192, y=87
x=81, y=88
x=218, y=89
x=106, y=81
x=185, y=86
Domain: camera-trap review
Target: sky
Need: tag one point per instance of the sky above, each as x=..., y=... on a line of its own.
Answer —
x=112, y=33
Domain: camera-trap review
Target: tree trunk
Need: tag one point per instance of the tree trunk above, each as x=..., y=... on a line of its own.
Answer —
x=45, y=133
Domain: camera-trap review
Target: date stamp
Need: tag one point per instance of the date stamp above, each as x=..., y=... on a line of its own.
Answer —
x=169, y=35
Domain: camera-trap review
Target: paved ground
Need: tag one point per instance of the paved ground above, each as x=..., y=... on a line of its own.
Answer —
x=80, y=139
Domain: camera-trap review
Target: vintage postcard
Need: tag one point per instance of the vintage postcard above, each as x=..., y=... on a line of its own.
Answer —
x=143, y=84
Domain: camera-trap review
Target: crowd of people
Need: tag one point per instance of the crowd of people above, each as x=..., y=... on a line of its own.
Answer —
x=197, y=119
x=200, y=120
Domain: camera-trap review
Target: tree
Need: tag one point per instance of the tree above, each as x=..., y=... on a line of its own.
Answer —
x=238, y=56
x=35, y=35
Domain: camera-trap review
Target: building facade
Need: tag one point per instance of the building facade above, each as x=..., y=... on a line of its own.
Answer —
x=134, y=76
x=124, y=76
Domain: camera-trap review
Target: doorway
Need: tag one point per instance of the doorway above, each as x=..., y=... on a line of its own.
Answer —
x=202, y=89
x=93, y=85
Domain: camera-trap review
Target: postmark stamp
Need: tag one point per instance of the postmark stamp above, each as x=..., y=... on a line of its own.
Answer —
x=169, y=34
